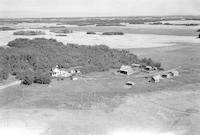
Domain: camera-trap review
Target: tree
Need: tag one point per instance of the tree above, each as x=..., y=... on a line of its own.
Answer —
x=4, y=74
x=27, y=77
x=42, y=77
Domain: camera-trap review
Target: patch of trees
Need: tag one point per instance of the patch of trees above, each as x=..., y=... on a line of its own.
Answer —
x=6, y=28
x=29, y=33
x=190, y=24
x=90, y=32
x=150, y=62
x=112, y=33
x=198, y=30
x=110, y=24
x=60, y=30
x=31, y=60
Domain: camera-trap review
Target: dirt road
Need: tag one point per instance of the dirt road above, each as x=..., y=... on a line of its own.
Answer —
x=9, y=85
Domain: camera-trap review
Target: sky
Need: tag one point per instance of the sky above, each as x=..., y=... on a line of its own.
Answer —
x=89, y=8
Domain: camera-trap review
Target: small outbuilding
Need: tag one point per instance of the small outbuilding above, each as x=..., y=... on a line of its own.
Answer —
x=167, y=75
x=136, y=67
x=156, y=78
x=74, y=78
x=148, y=68
x=130, y=83
x=125, y=69
x=174, y=73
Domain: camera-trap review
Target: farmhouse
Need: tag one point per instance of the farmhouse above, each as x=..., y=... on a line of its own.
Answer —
x=127, y=70
x=174, y=73
x=156, y=78
x=60, y=72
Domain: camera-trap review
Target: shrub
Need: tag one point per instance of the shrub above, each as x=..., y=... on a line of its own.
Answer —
x=4, y=74
x=112, y=33
x=27, y=77
x=29, y=33
x=60, y=30
x=42, y=78
x=90, y=32
x=6, y=28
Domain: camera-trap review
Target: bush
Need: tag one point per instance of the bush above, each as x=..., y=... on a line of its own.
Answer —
x=27, y=77
x=29, y=33
x=112, y=33
x=90, y=32
x=6, y=28
x=42, y=78
x=150, y=62
x=4, y=74
x=60, y=30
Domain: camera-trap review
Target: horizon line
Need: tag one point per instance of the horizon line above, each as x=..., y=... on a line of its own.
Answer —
x=100, y=16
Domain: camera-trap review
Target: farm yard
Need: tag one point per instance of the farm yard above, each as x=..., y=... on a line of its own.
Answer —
x=172, y=105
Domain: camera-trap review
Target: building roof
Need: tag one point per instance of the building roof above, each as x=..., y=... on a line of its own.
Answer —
x=126, y=68
x=130, y=83
x=174, y=72
x=157, y=77
x=135, y=65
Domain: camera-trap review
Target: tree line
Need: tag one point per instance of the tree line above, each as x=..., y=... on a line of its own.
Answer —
x=31, y=60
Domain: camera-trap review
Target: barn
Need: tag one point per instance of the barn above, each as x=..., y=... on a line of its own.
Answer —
x=174, y=73
x=125, y=69
x=156, y=78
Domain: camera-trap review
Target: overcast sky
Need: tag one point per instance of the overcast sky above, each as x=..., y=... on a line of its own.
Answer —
x=75, y=8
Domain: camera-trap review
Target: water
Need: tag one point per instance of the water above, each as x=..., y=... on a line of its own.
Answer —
x=113, y=41
x=116, y=41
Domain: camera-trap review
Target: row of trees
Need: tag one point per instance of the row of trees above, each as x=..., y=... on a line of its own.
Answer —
x=32, y=60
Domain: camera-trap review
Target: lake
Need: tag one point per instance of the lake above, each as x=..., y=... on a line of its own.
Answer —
x=129, y=40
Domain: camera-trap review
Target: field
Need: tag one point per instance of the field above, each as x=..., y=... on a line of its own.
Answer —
x=100, y=104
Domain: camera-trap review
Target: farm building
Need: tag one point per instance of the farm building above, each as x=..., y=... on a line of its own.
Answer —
x=127, y=70
x=174, y=73
x=167, y=75
x=73, y=70
x=136, y=65
x=60, y=72
x=74, y=78
x=129, y=83
x=155, y=68
x=156, y=78
x=148, y=68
